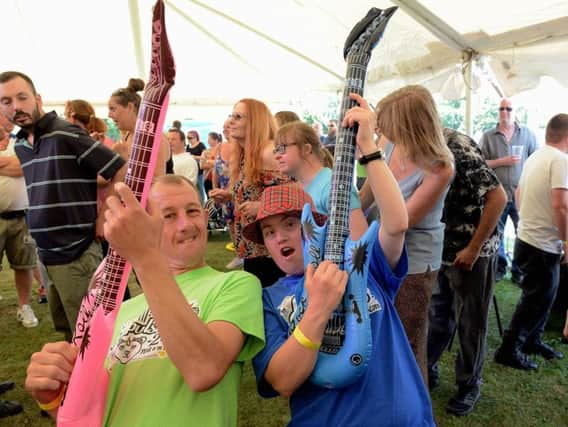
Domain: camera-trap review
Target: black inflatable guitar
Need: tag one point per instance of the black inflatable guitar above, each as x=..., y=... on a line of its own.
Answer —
x=347, y=345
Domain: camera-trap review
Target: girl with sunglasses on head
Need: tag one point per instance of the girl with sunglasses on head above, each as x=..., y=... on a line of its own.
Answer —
x=299, y=154
x=123, y=107
x=253, y=168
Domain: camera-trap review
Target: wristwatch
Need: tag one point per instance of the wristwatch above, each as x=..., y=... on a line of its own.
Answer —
x=377, y=155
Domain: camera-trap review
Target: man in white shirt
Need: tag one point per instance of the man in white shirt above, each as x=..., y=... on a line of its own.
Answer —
x=184, y=164
x=15, y=238
x=542, y=235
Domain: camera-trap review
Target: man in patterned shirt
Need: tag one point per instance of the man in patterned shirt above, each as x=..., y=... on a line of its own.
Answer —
x=472, y=209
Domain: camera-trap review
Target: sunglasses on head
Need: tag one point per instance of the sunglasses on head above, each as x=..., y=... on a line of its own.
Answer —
x=509, y=109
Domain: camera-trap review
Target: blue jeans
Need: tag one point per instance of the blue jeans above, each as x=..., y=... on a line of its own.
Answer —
x=509, y=211
x=201, y=187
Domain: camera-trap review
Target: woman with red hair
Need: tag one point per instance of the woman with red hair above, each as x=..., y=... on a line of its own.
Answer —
x=253, y=168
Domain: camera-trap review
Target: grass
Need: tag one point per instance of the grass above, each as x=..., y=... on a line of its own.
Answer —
x=509, y=397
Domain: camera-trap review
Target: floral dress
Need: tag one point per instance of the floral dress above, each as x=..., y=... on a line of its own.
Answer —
x=250, y=192
x=224, y=176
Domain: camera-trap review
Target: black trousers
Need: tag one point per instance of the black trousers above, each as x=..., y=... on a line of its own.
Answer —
x=264, y=268
x=541, y=276
x=462, y=301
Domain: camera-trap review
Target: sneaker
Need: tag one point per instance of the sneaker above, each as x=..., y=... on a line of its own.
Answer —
x=230, y=247
x=499, y=276
x=9, y=408
x=6, y=386
x=26, y=316
x=516, y=278
x=464, y=401
x=236, y=262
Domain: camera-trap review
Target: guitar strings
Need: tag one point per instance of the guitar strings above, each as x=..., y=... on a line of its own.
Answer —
x=136, y=179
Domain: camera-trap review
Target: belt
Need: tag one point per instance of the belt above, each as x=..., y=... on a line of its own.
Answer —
x=12, y=214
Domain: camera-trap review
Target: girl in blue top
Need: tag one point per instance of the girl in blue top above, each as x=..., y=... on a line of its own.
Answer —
x=299, y=154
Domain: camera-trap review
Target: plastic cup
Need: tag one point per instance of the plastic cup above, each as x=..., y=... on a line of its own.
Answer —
x=517, y=150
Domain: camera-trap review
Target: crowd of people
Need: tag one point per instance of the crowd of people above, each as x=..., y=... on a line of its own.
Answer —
x=441, y=201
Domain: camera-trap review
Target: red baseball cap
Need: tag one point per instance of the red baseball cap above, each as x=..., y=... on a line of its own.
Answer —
x=280, y=199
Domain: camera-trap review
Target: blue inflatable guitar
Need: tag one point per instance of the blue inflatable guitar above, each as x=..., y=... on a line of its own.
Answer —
x=346, y=347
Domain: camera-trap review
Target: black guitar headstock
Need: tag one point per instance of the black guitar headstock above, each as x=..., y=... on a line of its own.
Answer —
x=367, y=32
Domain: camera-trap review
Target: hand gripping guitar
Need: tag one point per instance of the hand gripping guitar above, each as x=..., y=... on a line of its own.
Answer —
x=84, y=402
x=347, y=345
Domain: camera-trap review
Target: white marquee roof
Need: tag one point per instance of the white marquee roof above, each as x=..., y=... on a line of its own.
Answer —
x=277, y=50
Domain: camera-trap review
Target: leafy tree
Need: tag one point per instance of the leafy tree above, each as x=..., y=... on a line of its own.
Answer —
x=323, y=117
x=112, y=131
x=487, y=117
x=451, y=113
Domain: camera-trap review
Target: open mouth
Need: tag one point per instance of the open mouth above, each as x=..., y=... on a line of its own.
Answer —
x=287, y=252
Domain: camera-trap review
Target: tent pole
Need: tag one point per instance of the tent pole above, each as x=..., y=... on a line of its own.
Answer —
x=467, y=75
x=137, y=37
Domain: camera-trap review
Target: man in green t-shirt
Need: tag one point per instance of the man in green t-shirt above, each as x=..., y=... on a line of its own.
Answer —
x=177, y=352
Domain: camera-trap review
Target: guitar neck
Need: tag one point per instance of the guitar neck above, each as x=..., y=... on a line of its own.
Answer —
x=141, y=167
x=145, y=148
x=138, y=175
x=344, y=158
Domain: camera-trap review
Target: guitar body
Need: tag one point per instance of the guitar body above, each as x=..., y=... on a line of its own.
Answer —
x=85, y=397
x=93, y=335
x=347, y=342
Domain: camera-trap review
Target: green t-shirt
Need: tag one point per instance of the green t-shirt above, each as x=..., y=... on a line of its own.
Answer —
x=145, y=387
x=361, y=170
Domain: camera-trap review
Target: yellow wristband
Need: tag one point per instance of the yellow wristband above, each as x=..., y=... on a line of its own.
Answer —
x=304, y=341
x=54, y=403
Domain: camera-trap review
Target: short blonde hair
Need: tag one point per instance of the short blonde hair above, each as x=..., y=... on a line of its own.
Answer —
x=171, y=179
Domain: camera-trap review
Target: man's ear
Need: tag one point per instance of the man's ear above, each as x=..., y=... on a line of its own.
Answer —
x=152, y=207
x=39, y=101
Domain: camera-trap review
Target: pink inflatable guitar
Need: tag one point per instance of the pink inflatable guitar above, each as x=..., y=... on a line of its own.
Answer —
x=84, y=402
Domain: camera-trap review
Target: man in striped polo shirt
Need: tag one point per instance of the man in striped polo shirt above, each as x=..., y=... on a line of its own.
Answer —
x=61, y=164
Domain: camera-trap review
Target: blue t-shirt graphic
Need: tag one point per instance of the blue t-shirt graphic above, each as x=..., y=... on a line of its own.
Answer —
x=391, y=393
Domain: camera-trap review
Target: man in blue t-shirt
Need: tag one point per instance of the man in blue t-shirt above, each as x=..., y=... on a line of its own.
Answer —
x=391, y=391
